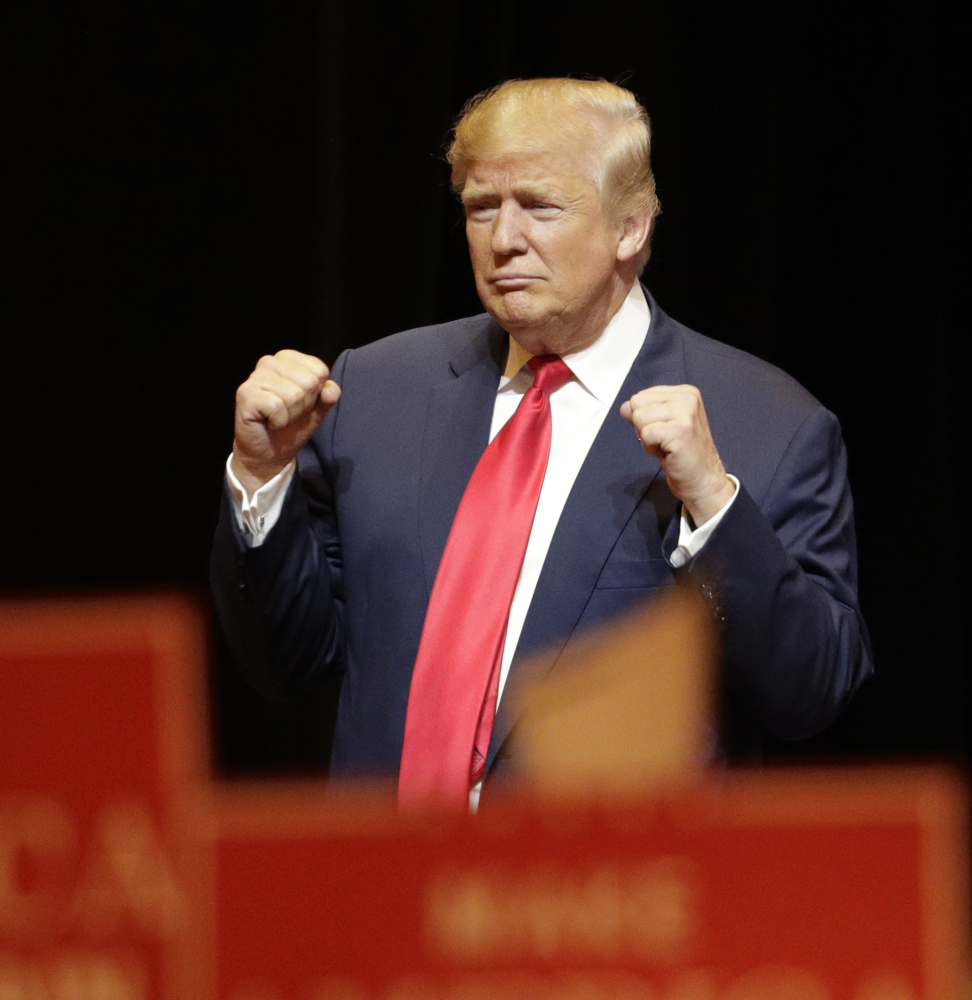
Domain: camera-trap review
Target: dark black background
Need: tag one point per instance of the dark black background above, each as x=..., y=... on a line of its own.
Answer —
x=195, y=185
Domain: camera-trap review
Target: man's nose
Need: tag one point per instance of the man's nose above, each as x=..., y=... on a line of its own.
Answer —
x=508, y=236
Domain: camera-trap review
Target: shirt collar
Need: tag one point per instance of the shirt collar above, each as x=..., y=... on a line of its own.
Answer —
x=601, y=367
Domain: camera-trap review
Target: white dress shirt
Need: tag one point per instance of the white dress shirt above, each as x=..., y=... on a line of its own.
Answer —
x=577, y=411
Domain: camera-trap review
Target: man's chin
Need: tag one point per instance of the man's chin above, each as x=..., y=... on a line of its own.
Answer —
x=518, y=311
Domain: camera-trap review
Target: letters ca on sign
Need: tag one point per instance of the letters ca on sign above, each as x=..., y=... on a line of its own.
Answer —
x=68, y=899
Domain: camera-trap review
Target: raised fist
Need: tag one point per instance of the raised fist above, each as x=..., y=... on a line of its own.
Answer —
x=672, y=425
x=278, y=408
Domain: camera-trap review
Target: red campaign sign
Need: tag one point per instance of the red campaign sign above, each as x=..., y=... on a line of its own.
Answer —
x=795, y=886
x=104, y=885
x=126, y=875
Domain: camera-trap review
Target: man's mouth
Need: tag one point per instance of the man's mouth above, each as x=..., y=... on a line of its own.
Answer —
x=512, y=281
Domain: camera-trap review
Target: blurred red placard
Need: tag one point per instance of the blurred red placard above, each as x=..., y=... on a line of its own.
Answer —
x=105, y=889
x=126, y=875
x=773, y=886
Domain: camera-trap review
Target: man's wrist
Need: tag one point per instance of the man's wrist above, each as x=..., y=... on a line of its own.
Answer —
x=691, y=539
x=705, y=508
x=252, y=476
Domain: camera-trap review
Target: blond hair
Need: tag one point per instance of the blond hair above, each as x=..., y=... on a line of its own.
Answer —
x=527, y=114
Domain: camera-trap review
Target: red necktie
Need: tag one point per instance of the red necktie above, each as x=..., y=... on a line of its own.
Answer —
x=452, y=700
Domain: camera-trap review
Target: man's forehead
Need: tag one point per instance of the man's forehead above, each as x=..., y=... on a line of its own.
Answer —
x=529, y=169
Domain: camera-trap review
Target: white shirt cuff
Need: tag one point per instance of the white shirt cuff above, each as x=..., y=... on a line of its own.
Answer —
x=256, y=515
x=690, y=542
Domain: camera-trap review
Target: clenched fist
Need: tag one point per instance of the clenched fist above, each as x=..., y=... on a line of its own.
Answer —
x=672, y=425
x=278, y=408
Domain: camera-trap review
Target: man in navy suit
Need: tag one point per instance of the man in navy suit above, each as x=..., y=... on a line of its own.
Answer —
x=671, y=454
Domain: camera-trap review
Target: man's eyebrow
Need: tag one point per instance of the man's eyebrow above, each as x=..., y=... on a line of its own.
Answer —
x=474, y=194
x=529, y=189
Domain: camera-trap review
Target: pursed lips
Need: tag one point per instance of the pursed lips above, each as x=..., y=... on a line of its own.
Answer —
x=512, y=279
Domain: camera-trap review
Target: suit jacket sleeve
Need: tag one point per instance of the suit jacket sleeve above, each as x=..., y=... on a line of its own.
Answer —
x=784, y=574
x=281, y=605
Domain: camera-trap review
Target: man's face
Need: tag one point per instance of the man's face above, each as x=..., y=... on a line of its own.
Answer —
x=543, y=249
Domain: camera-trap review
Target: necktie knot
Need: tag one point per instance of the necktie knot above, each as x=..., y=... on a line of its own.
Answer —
x=549, y=373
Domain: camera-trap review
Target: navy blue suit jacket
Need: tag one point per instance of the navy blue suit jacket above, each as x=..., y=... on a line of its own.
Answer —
x=343, y=580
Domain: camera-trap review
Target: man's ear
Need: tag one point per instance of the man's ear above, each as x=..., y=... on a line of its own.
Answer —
x=634, y=235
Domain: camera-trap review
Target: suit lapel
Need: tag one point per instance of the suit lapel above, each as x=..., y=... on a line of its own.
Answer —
x=457, y=422
x=612, y=482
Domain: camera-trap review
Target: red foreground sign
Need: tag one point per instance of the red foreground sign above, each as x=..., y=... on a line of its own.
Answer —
x=104, y=884
x=800, y=886
x=127, y=874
